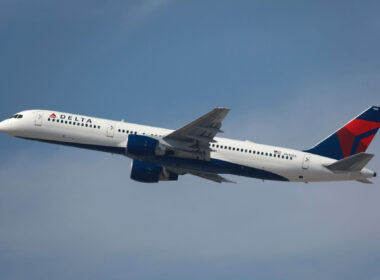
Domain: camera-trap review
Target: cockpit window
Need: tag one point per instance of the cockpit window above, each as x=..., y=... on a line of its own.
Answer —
x=17, y=116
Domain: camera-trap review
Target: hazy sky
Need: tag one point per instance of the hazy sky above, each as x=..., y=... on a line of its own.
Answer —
x=292, y=73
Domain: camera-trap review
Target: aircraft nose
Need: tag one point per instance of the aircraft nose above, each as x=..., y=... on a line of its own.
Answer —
x=5, y=126
x=2, y=126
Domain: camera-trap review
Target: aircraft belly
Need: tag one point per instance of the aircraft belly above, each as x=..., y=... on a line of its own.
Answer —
x=218, y=166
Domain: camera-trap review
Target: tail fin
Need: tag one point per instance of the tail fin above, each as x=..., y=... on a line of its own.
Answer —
x=351, y=139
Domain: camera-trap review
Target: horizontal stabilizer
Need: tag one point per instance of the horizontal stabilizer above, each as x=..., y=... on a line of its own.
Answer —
x=365, y=181
x=351, y=163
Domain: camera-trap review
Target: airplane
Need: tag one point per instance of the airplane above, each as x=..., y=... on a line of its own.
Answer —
x=160, y=154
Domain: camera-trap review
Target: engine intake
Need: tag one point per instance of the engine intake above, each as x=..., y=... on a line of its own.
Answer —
x=150, y=173
x=139, y=145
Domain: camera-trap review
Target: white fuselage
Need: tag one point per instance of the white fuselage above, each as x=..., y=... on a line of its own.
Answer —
x=112, y=136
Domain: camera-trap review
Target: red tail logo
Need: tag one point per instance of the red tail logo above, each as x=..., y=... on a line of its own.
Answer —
x=356, y=136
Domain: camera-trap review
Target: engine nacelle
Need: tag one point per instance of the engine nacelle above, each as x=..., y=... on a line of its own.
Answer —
x=139, y=145
x=150, y=173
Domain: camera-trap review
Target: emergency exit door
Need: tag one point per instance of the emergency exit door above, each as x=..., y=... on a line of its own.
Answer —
x=38, y=119
x=110, y=130
x=306, y=162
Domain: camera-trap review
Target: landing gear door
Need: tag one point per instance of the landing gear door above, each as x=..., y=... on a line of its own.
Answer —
x=110, y=130
x=306, y=162
x=38, y=119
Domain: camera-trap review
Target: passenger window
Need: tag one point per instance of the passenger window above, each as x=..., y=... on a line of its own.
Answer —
x=49, y=119
x=86, y=125
x=65, y=121
x=82, y=124
x=123, y=130
x=287, y=157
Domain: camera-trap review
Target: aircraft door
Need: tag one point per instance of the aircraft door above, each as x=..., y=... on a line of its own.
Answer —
x=110, y=130
x=38, y=119
x=306, y=162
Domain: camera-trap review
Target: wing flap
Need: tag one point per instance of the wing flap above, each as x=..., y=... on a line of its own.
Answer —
x=365, y=181
x=211, y=176
x=205, y=175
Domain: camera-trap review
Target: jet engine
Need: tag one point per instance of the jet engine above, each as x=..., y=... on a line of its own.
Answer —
x=143, y=146
x=151, y=173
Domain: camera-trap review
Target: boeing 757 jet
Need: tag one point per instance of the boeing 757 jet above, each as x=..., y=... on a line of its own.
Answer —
x=161, y=154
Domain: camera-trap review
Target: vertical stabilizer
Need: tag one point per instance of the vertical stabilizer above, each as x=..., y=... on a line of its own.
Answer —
x=352, y=138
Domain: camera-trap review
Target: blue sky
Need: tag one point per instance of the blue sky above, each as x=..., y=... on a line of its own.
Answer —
x=291, y=72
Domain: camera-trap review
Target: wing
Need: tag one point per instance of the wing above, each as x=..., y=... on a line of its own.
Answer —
x=205, y=175
x=211, y=176
x=201, y=132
